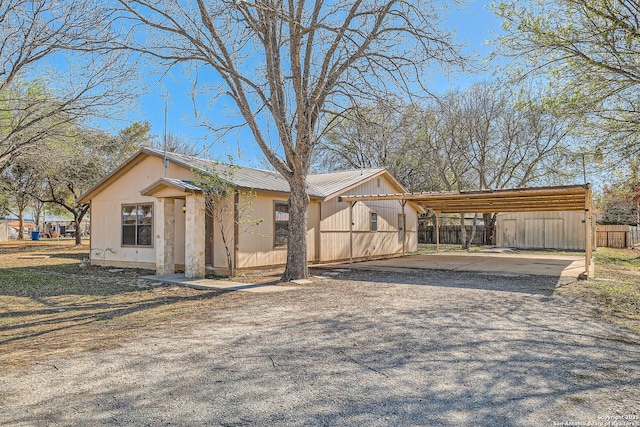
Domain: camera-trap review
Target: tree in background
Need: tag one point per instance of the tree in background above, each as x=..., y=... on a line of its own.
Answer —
x=491, y=135
x=71, y=166
x=620, y=201
x=382, y=134
x=588, y=51
x=38, y=39
x=175, y=143
x=18, y=181
x=285, y=65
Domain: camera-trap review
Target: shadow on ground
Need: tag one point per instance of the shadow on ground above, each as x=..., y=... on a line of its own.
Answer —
x=521, y=283
x=349, y=352
x=58, y=309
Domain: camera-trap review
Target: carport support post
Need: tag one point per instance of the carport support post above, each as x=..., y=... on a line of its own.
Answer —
x=588, y=248
x=404, y=226
x=351, y=205
x=437, y=214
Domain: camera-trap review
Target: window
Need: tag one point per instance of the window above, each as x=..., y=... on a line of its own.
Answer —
x=281, y=231
x=401, y=221
x=137, y=223
x=373, y=225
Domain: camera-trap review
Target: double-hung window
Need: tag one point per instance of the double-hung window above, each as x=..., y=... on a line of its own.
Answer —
x=137, y=225
x=373, y=221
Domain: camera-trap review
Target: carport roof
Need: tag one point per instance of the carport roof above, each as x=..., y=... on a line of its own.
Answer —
x=532, y=199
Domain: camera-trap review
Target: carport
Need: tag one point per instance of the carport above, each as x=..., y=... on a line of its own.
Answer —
x=532, y=199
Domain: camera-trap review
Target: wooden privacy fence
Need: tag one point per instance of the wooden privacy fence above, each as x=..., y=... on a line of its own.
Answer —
x=450, y=234
x=617, y=236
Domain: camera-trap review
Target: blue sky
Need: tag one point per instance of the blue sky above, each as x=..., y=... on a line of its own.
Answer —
x=474, y=24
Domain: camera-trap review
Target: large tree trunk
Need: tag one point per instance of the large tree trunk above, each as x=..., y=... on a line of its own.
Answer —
x=297, y=242
x=463, y=232
x=467, y=238
x=78, y=216
x=487, y=218
x=21, y=224
x=473, y=231
x=38, y=208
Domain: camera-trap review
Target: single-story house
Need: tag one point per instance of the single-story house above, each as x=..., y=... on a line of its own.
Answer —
x=149, y=213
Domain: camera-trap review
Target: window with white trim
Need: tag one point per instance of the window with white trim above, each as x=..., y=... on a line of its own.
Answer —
x=137, y=225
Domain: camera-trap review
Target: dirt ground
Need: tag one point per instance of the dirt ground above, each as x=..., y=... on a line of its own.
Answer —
x=353, y=348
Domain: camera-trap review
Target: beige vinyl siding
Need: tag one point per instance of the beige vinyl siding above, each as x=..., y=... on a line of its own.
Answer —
x=334, y=225
x=541, y=230
x=219, y=252
x=106, y=216
x=256, y=246
x=328, y=223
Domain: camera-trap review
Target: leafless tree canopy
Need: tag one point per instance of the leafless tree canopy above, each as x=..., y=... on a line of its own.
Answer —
x=491, y=135
x=51, y=73
x=286, y=63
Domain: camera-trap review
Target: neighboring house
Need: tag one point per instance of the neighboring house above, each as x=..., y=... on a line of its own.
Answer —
x=4, y=230
x=541, y=230
x=9, y=229
x=145, y=216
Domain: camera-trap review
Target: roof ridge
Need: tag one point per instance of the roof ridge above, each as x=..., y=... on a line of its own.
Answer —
x=349, y=170
x=204, y=159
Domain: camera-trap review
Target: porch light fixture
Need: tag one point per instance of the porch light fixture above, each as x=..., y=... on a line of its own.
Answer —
x=184, y=208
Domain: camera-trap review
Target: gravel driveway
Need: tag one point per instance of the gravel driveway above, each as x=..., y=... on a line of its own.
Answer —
x=357, y=349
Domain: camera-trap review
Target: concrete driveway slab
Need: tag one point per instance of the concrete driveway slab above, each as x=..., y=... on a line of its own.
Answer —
x=546, y=265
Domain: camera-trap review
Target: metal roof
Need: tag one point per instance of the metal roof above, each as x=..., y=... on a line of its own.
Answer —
x=333, y=182
x=318, y=186
x=241, y=176
x=180, y=184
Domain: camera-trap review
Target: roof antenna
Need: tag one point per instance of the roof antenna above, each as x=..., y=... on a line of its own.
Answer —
x=165, y=162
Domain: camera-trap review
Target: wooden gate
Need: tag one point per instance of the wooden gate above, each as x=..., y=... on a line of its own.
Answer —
x=617, y=236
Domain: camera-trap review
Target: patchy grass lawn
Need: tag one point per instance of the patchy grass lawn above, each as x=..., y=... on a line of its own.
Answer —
x=49, y=304
x=616, y=285
x=430, y=248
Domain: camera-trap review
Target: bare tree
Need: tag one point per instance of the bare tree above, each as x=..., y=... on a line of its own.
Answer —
x=501, y=136
x=56, y=41
x=175, y=143
x=364, y=137
x=285, y=64
x=491, y=135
